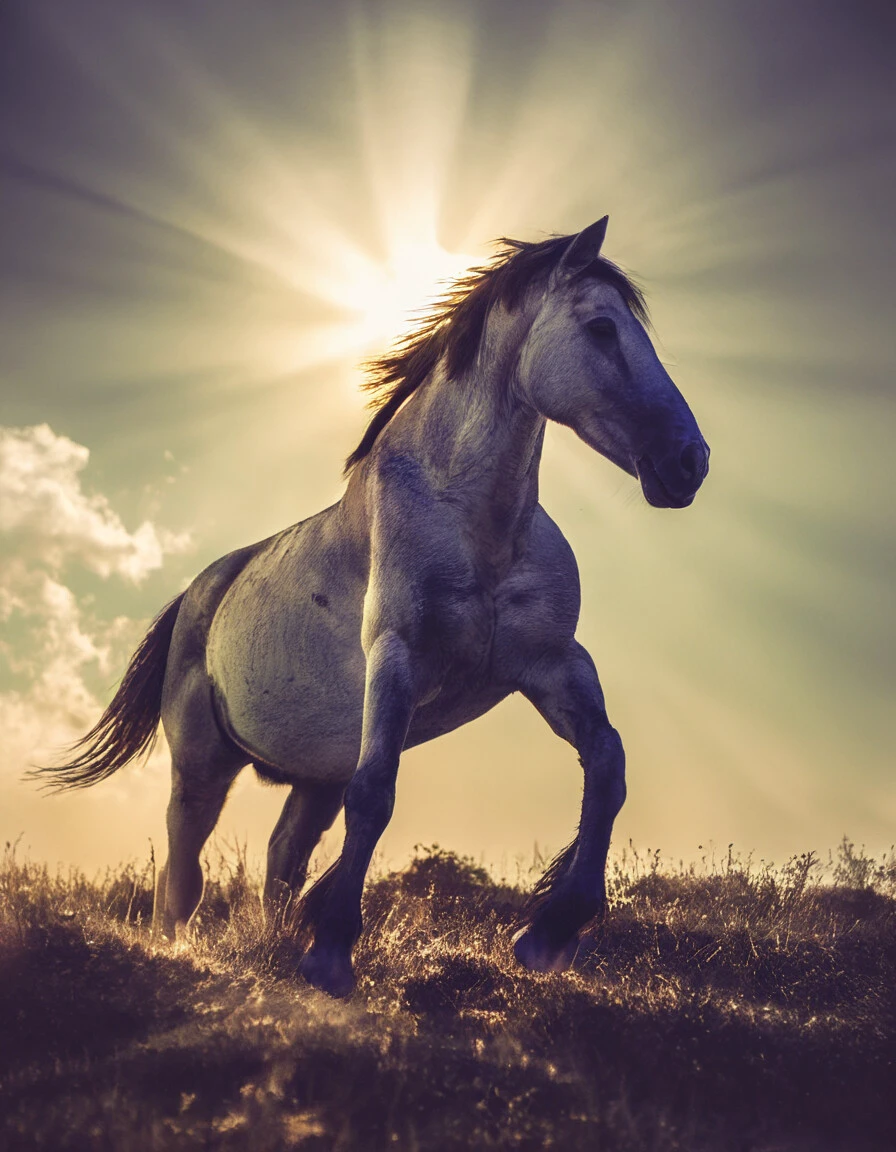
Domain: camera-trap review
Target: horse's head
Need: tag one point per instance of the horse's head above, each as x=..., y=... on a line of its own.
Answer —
x=588, y=362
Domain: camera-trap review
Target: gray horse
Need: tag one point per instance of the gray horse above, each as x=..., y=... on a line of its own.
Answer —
x=433, y=589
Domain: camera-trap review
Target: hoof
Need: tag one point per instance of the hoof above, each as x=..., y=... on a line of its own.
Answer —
x=535, y=953
x=328, y=971
x=170, y=934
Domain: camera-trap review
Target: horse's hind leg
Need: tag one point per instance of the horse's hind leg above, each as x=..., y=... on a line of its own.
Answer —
x=198, y=793
x=204, y=764
x=309, y=811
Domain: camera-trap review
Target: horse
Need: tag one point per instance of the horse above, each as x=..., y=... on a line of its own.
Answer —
x=433, y=589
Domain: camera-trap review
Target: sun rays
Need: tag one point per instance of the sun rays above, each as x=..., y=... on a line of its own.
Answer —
x=284, y=252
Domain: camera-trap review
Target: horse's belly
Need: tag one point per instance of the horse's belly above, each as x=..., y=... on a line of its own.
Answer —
x=311, y=728
x=290, y=718
x=452, y=710
x=303, y=716
x=288, y=675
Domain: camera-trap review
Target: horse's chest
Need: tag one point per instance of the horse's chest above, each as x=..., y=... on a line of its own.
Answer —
x=460, y=627
x=479, y=633
x=476, y=632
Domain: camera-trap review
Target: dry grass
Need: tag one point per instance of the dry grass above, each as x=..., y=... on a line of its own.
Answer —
x=729, y=1007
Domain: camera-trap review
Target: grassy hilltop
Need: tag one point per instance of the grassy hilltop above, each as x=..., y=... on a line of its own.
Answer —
x=732, y=1008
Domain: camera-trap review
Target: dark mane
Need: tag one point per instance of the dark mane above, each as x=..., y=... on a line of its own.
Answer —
x=452, y=327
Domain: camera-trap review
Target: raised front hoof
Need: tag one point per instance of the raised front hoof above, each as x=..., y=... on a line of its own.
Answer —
x=329, y=971
x=535, y=952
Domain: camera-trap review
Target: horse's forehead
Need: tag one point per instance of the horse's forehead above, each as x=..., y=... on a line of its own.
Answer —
x=589, y=293
x=584, y=297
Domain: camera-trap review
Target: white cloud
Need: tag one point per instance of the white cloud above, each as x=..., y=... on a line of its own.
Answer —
x=51, y=519
x=52, y=644
x=52, y=659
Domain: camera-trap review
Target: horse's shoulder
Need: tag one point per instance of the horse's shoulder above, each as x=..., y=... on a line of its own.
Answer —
x=537, y=605
x=413, y=525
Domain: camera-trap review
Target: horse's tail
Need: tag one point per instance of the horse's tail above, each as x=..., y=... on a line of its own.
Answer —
x=128, y=726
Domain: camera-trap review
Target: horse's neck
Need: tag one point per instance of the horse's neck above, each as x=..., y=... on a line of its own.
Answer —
x=478, y=444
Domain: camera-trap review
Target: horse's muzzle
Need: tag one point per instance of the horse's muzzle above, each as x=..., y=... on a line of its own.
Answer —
x=673, y=480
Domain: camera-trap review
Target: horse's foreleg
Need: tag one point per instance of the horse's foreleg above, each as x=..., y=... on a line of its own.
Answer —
x=567, y=692
x=332, y=907
x=309, y=811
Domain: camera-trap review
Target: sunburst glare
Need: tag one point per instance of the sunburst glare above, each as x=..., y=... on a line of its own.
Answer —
x=391, y=298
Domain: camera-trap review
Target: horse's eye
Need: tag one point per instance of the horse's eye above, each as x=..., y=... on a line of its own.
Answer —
x=602, y=328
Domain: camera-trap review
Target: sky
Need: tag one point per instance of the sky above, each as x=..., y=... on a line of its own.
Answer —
x=211, y=213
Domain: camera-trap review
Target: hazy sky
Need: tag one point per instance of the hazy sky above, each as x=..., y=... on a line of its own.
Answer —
x=212, y=211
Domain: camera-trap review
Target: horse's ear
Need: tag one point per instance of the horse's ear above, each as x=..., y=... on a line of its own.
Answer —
x=584, y=249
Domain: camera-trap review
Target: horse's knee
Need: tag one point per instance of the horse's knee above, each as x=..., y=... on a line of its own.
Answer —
x=604, y=765
x=614, y=790
x=370, y=799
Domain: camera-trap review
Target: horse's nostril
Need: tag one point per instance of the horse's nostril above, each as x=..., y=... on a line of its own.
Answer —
x=693, y=459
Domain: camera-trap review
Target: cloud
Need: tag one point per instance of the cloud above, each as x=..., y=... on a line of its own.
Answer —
x=55, y=649
x=53, y=657
x=48, y=517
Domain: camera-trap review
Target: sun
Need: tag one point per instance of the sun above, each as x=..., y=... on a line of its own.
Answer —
x=375, y=300
x=388, y=299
